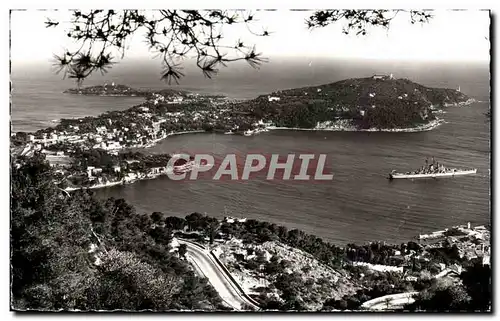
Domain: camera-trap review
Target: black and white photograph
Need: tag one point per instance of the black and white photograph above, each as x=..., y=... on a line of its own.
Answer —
x=250, y=160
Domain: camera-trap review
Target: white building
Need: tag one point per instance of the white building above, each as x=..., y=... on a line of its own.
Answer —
x=131, y=176
x=89, y=170
x=178, y=99
x=114, y=145
x=101, y=130
x=382, y=77
x=270, y=98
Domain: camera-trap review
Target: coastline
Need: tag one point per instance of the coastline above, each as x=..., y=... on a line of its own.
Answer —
x=101, y=95
x=156, y=141
x=336, y=126
x=426, y=127
x=429, y=126
x=97, y=186
x=124, y=181
x=469, y=101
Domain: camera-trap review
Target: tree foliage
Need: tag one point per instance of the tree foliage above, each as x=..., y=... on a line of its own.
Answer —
x=174, y=35
x=473, y=294
x=358, y=21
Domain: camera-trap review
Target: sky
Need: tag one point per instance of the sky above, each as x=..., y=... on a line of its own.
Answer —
x=449, y=36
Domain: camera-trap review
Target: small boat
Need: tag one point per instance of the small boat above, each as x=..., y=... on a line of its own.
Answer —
x=248, y=133
x=184, y=168
x=229, y=133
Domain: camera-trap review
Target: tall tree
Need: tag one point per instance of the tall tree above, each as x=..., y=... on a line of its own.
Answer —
x=50, y=237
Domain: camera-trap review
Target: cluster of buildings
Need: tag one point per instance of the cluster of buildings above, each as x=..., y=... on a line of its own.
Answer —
x=107, y=131
x=158, y=99
x=140, y=126
x=472, y=242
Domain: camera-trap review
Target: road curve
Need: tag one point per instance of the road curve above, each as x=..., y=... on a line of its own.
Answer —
x=206, y=265
x=393, y=301
x=390, y=302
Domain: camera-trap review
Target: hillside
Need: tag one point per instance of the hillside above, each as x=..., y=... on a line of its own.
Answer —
x=367, y=102
x=83, y=253
x=275, y=275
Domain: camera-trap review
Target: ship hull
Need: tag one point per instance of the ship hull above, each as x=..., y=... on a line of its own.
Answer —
x=435, y=175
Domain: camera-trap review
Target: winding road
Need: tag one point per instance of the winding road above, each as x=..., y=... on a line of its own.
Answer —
x=390, y=302
x=207, y=266
x=395, y=301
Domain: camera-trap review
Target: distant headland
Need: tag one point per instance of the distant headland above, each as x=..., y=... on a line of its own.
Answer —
x=114, y=90
x=380, y=102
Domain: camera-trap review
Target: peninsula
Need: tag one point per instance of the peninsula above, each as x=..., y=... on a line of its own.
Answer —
x=375, y=103
x=118, y=90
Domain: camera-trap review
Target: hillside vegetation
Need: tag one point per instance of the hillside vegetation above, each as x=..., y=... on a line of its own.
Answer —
x=82, y=253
